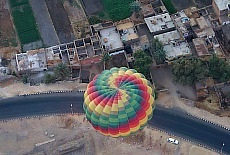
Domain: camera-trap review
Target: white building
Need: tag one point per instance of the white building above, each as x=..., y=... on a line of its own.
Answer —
x=174, y=45
x=160, y=23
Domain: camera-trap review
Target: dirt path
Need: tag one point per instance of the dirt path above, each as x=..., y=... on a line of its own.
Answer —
x=44, y=23
x=60, y=20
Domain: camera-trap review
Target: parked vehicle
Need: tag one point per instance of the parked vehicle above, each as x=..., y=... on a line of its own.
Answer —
x=173, y=141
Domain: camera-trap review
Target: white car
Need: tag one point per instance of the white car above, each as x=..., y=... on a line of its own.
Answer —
x=173, y=141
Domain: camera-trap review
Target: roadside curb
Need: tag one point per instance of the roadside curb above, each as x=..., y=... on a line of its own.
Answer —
x=185, y=139
x=52, y=92
x=209, y=121
x=40, y=116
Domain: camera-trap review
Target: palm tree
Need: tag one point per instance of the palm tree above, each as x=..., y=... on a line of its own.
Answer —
x=135, y=7
x=105, y=58
x=61, y=71
x=157, y=51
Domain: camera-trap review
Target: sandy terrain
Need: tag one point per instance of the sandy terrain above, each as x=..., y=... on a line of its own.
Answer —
x=21, y=136
x=77, y=17
x=18, y=88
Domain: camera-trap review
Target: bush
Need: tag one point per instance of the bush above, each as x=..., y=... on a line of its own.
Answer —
x=117, y=9
x=25, y=78
x=94, y=20
x=24, y=21
x=49, y=79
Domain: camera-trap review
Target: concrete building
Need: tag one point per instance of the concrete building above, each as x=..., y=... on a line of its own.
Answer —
x=34, y=60
x=205, y=47
x=226, y=34
x=160, y=24
x=110, y=39
x=127, y=31
x=153, y=8
x=221, y=7
x=182, y=23
x=174, y=45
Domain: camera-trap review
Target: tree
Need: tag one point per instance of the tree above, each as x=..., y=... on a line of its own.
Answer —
x=142, y=62
x=135, y=7
x=158, y=51
x=219, y=69
x=187, y=71
x=61, y=71
x=25, y=78
x=105, y=58
x=49, y=78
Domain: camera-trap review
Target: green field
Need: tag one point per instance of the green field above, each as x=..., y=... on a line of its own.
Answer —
x=117, y=9
x=24, y=21
x=169, y=6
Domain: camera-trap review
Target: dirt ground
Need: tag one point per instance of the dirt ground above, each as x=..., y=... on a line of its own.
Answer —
x=92, y=6
x=183, y=97
x=77, y=18
x=202, y=3
x=182, y=4
x=60, y=20
x=8, y=40
x=7, y=32
x=14, y=88
x=20, y=136
x=74, y=135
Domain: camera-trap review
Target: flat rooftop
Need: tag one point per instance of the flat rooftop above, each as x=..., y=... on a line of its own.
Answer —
x=32, y=60
x=181, y=20
x=165, y=38
x=110, y=38
x=176, y=50
x=222, y=4
x=127, y=32
x=200, y=47
x=159, y=22
x=202, y=22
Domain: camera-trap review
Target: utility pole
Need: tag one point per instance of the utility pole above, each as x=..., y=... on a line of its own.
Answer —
x=71, y=108
x=222, y=148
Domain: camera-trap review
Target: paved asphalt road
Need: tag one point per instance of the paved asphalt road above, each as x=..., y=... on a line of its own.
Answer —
x=173, y=121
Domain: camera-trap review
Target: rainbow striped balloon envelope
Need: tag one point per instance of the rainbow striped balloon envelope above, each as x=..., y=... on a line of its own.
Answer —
x=119, y=102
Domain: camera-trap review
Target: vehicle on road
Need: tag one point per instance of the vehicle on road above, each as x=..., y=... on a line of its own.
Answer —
x=173, y=141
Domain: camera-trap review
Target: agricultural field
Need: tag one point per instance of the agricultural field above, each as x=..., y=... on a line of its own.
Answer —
x=117, y=10
x=61, y=21
x=24, y=21
x=169, y=6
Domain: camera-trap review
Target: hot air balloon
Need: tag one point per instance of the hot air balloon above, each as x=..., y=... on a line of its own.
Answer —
x=119, y=102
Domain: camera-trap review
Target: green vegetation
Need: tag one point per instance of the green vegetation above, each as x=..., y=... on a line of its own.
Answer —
x=169, y=6
x=25, y=78
x=94, y=20
x=142, y=63
x=49, y=78
x=135, y=7
x=117, y=9
x=105, y=59
x=219, y=69
x=61, y=71
x=187, y=71
x=157, y=51
x=24, y=21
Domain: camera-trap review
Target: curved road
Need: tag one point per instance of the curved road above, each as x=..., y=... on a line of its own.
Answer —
x=171, y=120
